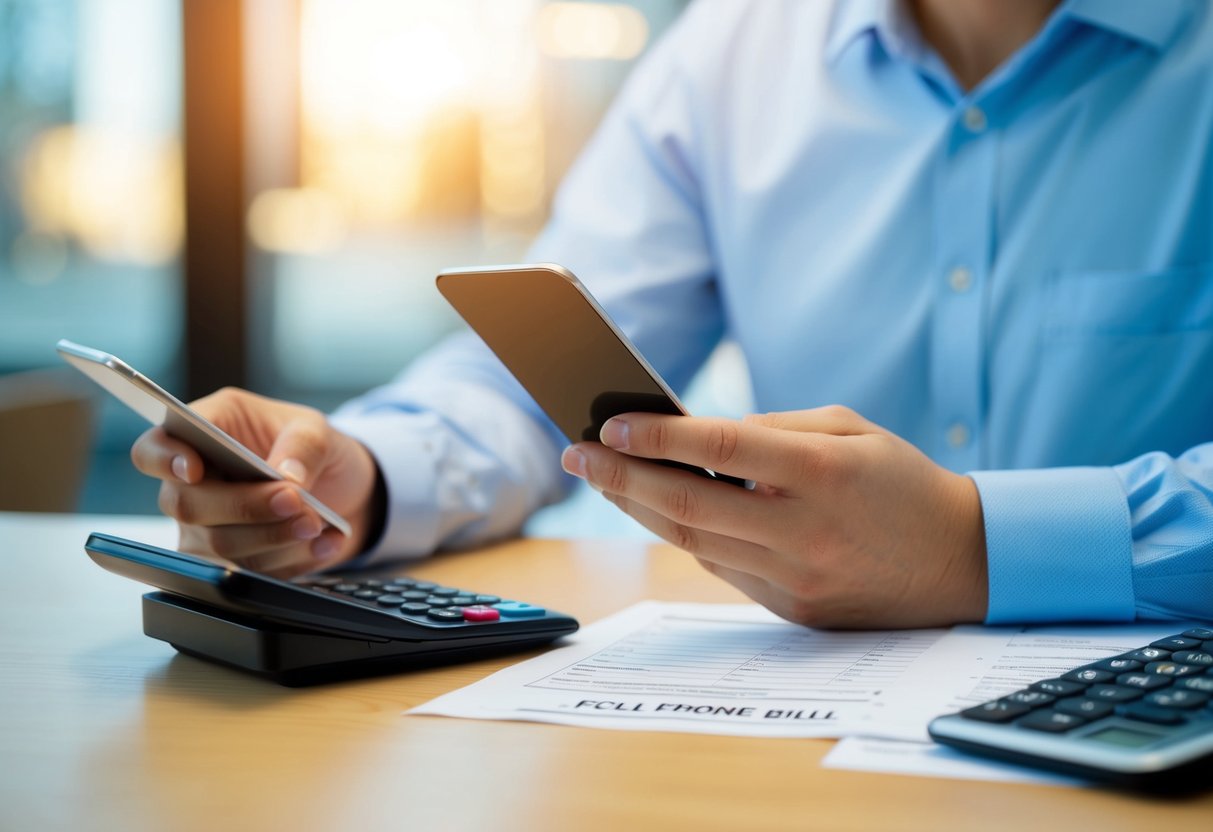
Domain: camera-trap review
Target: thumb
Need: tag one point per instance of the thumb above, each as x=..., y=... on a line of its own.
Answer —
x=300, y=451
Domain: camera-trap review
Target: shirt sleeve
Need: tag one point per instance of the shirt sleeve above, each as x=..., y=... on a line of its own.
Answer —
x=1101, y=544
x=465, y=453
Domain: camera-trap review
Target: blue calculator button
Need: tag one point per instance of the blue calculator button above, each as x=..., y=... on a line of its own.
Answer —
x=517, y=609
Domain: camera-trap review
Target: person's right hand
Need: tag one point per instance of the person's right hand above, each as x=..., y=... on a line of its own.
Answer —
x=265, y=526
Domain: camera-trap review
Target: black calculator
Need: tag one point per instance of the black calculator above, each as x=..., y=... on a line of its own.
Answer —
x=320, y=627
x=1142, y=719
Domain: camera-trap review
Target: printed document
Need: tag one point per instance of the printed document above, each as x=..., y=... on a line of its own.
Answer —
x=975, y=664
x=704, y=668
x=970, y=666
x=738, y=669
x=928, y=759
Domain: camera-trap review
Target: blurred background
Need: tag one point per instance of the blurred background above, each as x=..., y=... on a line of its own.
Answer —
x=260, y=192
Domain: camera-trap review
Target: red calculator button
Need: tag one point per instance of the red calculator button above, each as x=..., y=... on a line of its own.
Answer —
x=480, y=613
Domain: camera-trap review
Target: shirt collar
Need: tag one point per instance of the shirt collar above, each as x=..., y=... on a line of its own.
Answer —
x=853, y=18
x=1153, y=23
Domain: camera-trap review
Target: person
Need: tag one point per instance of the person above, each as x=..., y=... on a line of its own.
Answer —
x=985, y=225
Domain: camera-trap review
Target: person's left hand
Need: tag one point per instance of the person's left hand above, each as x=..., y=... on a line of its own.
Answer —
x=847, y=526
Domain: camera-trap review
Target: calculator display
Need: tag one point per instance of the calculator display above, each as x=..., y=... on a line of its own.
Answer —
x=1123, y=737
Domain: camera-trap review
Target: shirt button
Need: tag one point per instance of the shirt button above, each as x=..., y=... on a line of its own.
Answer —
x=958, y=435
x=960, y=279
x=974, y=120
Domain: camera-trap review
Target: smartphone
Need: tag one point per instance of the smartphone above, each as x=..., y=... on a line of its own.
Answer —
x=562, y=347
x=159, y=407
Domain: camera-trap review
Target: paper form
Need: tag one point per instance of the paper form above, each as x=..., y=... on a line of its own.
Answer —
x=738, y=669
x=975, y=664
x=970, y=666
x=926, y=759
x=707, y=668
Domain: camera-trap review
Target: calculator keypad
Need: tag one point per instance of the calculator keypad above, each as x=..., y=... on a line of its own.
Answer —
x=1167, y=683
x=424, y=601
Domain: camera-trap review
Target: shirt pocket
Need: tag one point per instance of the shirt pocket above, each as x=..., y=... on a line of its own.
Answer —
x=1124, y=365
x=1085, y=303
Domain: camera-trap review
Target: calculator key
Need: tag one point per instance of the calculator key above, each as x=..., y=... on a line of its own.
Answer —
x=389, y=600
x=424, y=585
x=331, y=582
x=1089, y=675
x=1151, y=713
x=480, y=612
x=445, y=614
x=1051, y=721
x=1031, y=698
x=518, y=609
x=1202, y=633
x=1173, y=669
x=1149, y=654
x=345, y=588
x=414, y=607
x=367, y=594
x=462, y=600
x=1082, y=706
x=1176, y=643
x=996, y=711
x=1204, y=684
x=402, y=583
x=487, y=599
x=436, y=601
x=1058, y=687
x=1113, y=693
x=1193, y=657
x=1144, y=681
x=1120, y=664
x=372, y=583
x=414, y=595
x=1177, y=698
x=444, y=591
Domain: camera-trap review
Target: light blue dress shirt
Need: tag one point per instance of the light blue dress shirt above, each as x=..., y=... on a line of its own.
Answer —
x=1017, y=278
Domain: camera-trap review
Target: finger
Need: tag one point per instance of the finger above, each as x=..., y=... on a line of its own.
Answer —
x=247, y=417
x=301, y=448
x=293, y=568
x=762, y=591
x=708, y=546
x=159, y=455
x=240, y=542
x=321, y=553
x=738, y=562
x=328, y=547
x=222, y=503
x=751, y=452
x=759, y=572
x=685, y=498
x=833, y=419
x=278, y=563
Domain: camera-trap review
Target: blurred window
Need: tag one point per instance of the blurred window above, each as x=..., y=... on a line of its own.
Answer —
x=429, y=135
x=90, y=186
x=384, y=140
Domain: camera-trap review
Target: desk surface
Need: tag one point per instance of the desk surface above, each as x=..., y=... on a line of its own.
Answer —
x=103, y=728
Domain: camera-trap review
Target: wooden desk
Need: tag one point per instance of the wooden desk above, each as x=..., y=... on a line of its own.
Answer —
x=103, y=728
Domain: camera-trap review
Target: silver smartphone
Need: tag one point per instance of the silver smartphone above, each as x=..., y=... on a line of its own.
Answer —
x=142, y=395
x=562, y=347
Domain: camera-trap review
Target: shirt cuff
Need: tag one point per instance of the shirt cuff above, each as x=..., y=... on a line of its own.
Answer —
x=411, y=523
x=1059, y=545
